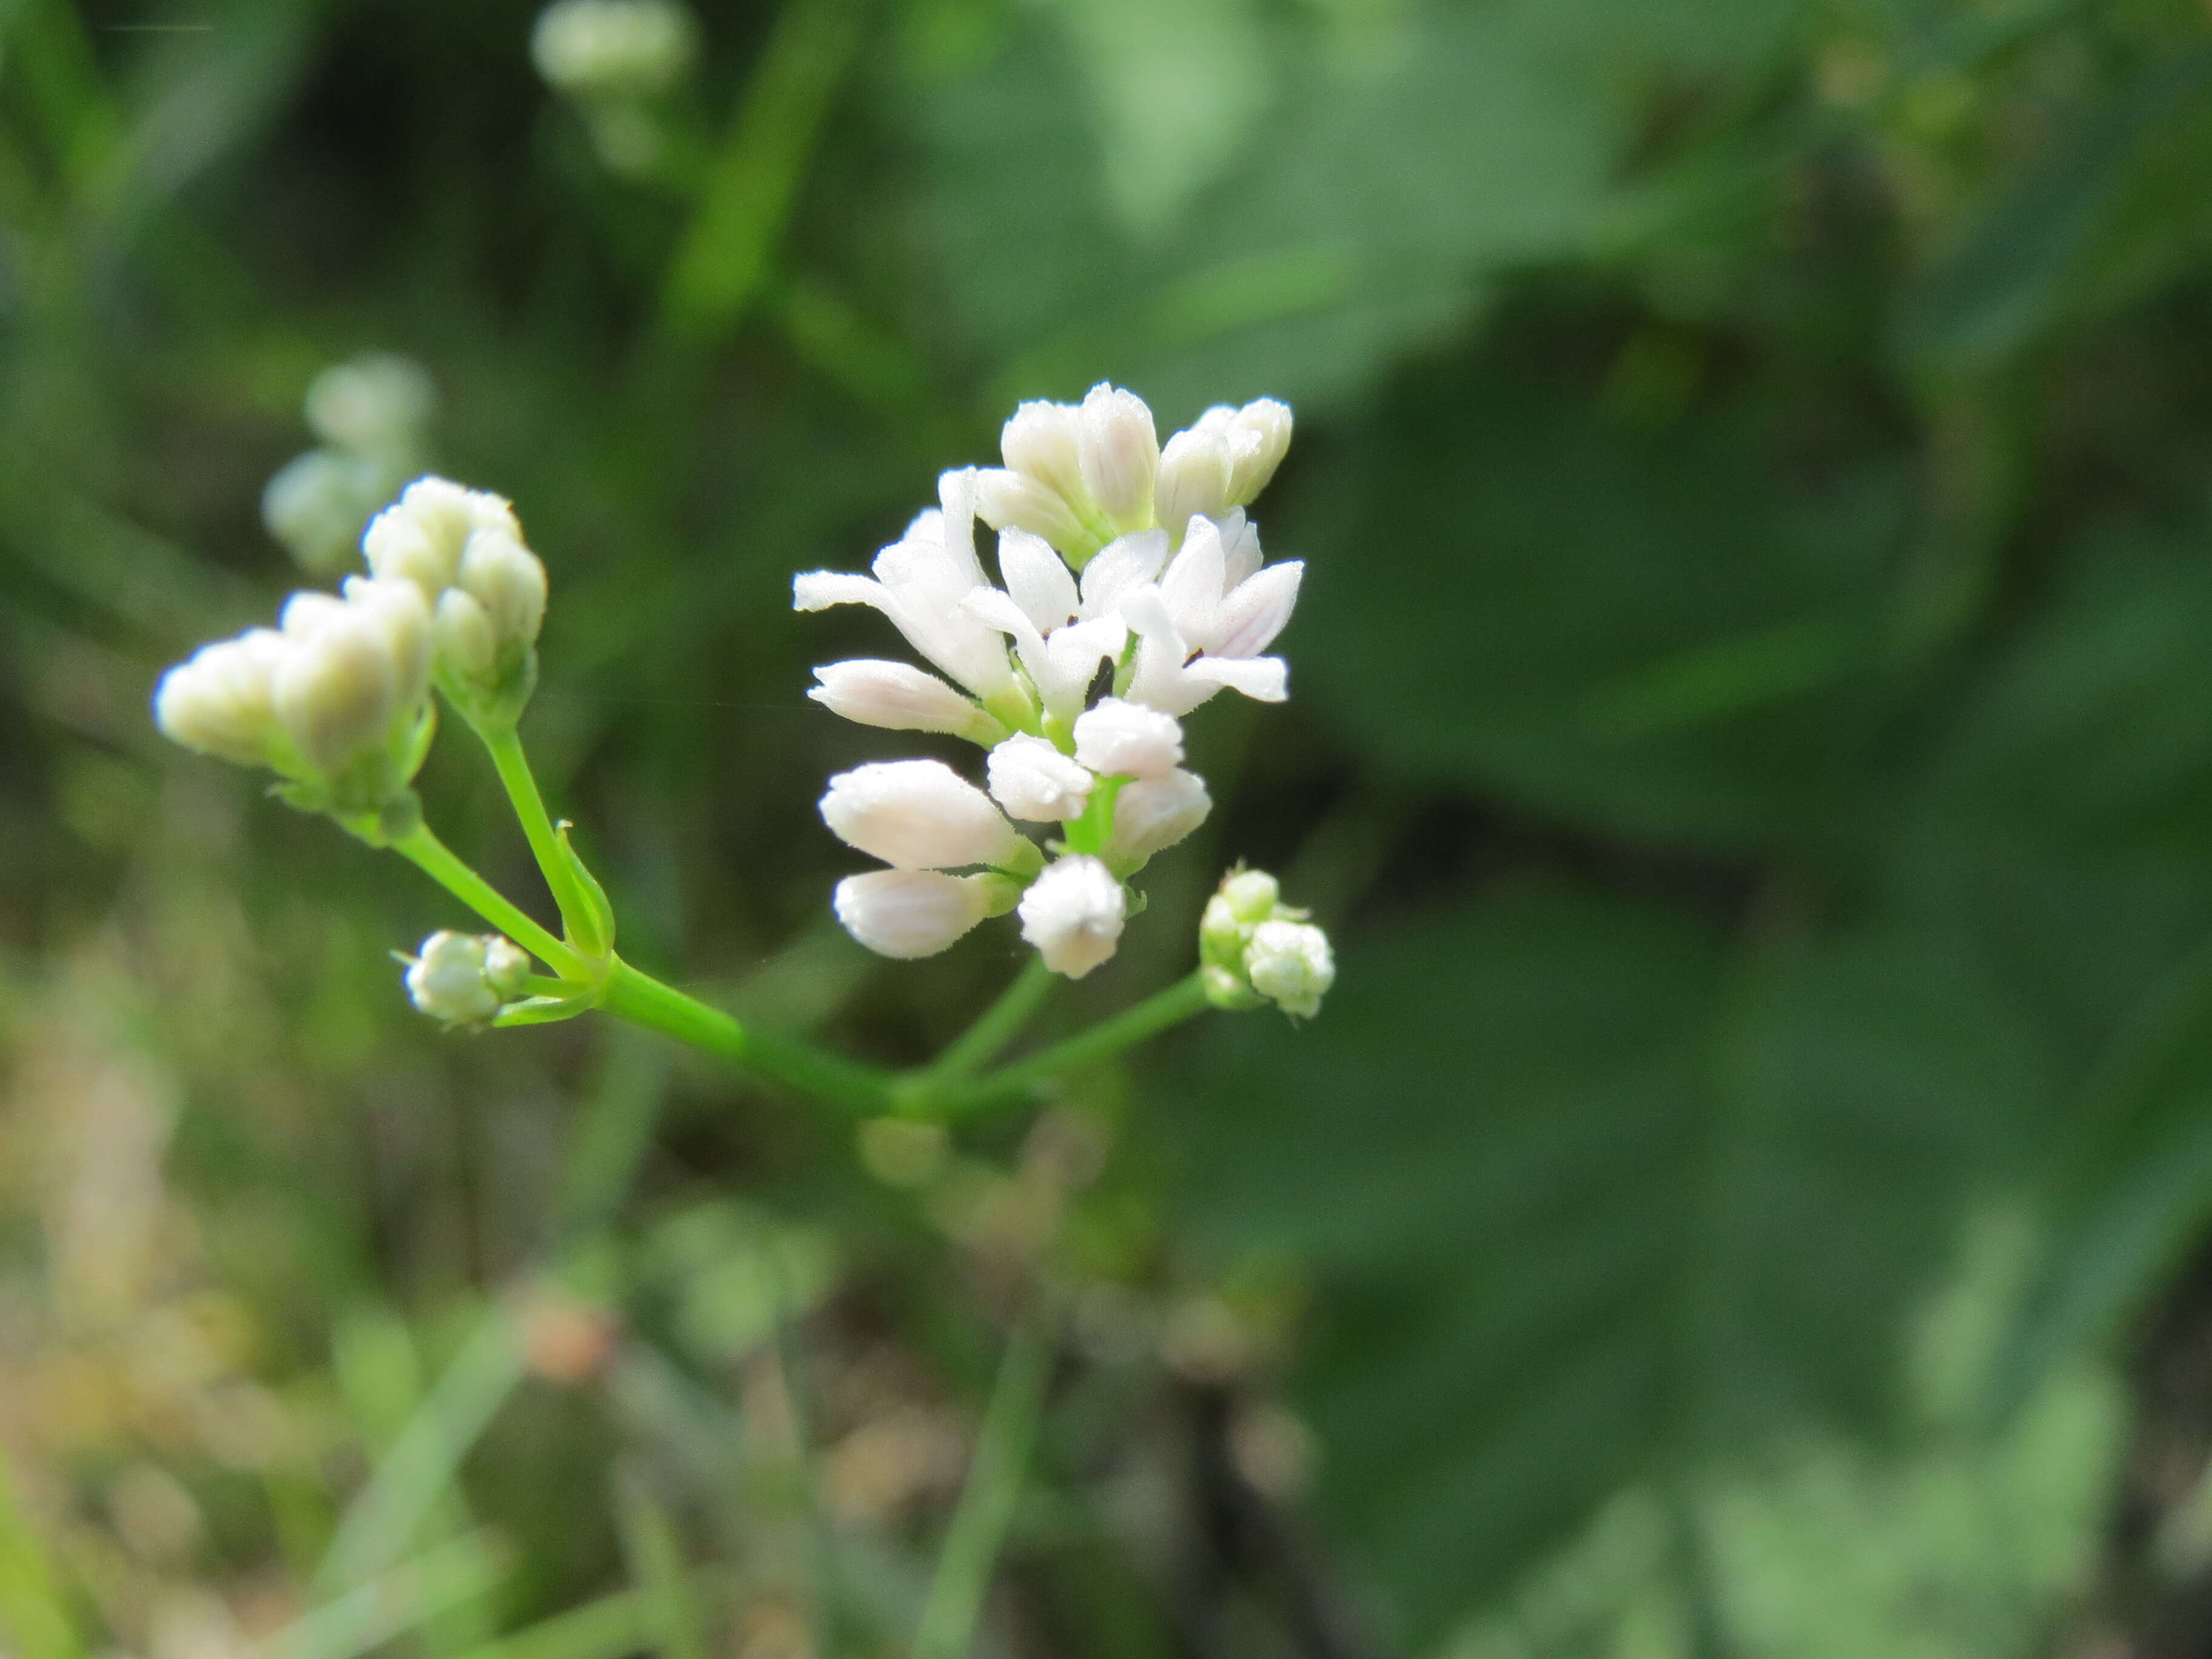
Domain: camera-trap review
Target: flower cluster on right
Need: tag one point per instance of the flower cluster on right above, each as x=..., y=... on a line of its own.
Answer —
x=1132, y=588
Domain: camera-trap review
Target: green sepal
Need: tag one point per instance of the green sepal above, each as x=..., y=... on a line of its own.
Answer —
x=593, y=930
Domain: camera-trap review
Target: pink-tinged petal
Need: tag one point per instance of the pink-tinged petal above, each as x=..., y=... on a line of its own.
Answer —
x=1240, y=547
x=1126, y=562
x=1258, y=610
x=1196, y=579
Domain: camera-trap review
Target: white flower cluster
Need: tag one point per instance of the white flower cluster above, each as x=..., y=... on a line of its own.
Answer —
x=1255, y=948
x=465, y=979
x=370, y=414
x=336, y=698
x=1119, y=562
x=618, y=61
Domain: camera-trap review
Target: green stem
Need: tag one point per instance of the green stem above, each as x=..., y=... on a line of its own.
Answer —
x=513, y=765
x=994, y=1029
x=1182, y=1000
x=644, y=1000
x=422, y=847
x=986, y=1502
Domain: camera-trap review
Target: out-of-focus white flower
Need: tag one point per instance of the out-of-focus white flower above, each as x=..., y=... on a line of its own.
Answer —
x=375, y=404
x=423, y=535
x=900, y=697
x=1291, y=963
x=465, y=979
x=316, y=505
x=1034, y=780
x=918, y=583
x=1073, y=915
x=222, y=700
x=1120, y=738
x=1153, y=814
x=613, y=49
x=922, y=815
x=917, y=912
x=354, y=671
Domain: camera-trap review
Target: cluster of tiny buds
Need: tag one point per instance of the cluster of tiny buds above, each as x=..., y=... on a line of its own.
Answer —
x=1255, y=948
x=465, y=979
x=1119, y=561
x=593, y=50
x=336, y=699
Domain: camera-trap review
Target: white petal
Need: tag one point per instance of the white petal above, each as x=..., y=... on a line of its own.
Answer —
x=1014, y=501
x=910, y=913
x=1257, y=610
x=1044, y=441
x=1240, y=545
x=1196, y=469
x=1036, y=580
x=1195, y=580
x=917, y=815
x=817, y=590
x=1120, y=452
x=1264, y=679
x=1127, y=739
x=1125, y=563
x=1153, y=814
x=899, y=697
x=1033, y=780
x=1074, y=914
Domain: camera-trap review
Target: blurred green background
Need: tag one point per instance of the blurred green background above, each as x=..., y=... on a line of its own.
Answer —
x=1751, y=740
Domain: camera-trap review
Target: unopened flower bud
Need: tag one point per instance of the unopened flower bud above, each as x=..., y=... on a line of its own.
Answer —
x=465, y=979
x=1152, y=814
x=1044, y=441
x=613, y=49
x=1121, y=455
x=353, y=669
x=1074, y=914
x=916, y=913
x=374, y=406
x=1251, y=895
x=920, y=815
x=316, y=504
x=505, y=577
x=423, y=535
x=1261, y=437
x=901, y=698
x=220, y=701
x=1196, y=472
x=1118, y=738
x=1015, y=501
x=468, y=647
x=1034, y=780
x=1290, y=963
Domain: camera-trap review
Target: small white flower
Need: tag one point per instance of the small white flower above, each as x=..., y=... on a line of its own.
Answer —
x=1126, y=739
x=1034, y=780
x=1119, y=455
x=1074, y=914
x=919, y=815
x=1153, y=814
x=613, y=49
x=900, y=697
x=1222, y=602
x=423, y=535
x=1267, y=424
x=1168, y=679
x=464, y=978
x=1222, y=462
x=375, y=405
x=918, y=583
x=353, y=670
x=317, y=505
x=1290, y=961
x=1044, y=441
x=220, y=701
x=915, y=913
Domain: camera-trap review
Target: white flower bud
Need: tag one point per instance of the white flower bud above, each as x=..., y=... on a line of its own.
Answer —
x=423, y=535
x=1121, y=455
x=220, y=701
x=1153, y=814
x=1014, y=501
x=468, y=646
x=613, y=49
x=919, y=815
x=1196, y=472
x=374, y=405
x=316, y=504
x=1044, y=441
x=1261, y=437
x=1074, y=914
x=900, y=697
x=464, y=978
x=505, y=577
x=913, y=912
x=1034, y=780
x=1250, y=894
x=353, y=670
x=1290, y=963
x=1126, y=739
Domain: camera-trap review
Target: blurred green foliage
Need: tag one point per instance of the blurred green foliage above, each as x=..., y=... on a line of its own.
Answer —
x=1753, y=741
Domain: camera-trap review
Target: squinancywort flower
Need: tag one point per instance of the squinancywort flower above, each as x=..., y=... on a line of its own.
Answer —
x=1253, y=947
x=465, y=979
x=922, y=815
x=1074, y=914
x=1034, y=780
x=917, y=912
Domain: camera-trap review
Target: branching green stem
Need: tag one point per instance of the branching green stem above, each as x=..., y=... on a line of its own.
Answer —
x=987, y=1502
x=1182, y=1000
x=505, y=745
x=996, y=1027
x=422, y=847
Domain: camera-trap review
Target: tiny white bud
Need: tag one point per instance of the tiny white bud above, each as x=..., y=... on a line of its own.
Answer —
x=1034, y=780
x=912, y=913
x=1260, y=438
x=1014, y=501
x=468, y=646
x=354, y=668
x=900, y=697
x=221, y=699
x=507, y=579
x=375, y=404
x=1074, y=914
x=1152, y=814
x=316, y=505
x=1195, y=475
x=423, y=535
x=919, y=815
x=1126, y=739
x=1044, y=441
x=1121, y=455
x=1290, y=961
x=464, y=978
x=613, y=49
x=1251, y=895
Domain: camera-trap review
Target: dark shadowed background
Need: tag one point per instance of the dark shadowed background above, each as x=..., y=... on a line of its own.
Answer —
x=1750, y=740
